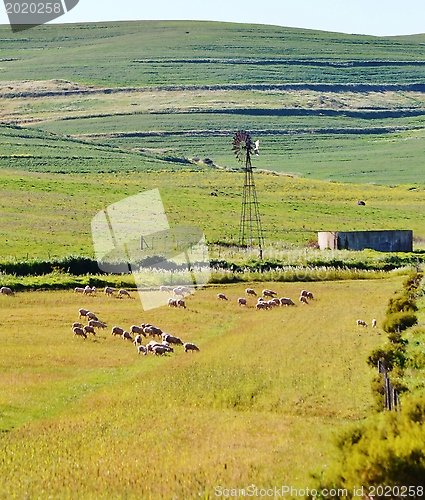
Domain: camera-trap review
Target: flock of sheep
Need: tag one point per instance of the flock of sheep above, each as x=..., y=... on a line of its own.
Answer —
x=136, y=333
x=271, y=295
x=267, y=300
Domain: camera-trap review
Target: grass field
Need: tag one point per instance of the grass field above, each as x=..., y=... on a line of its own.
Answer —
x=292, y=210
x=93, y=113
x=255, y=406
x=324, y=105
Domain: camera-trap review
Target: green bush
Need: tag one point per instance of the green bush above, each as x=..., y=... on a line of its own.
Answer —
x=399, y=321
x=391, y=356
x=401, y=303
x=387, y=450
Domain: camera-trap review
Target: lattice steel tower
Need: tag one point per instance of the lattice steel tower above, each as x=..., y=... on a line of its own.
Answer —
x=250, y=231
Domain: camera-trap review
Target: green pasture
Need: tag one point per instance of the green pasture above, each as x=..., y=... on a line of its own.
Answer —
x=259, y=404
x=147, y=95
x=203, y=53
x=49, y=215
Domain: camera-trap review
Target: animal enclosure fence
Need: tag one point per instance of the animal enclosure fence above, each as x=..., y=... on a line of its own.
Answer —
x=391, y=396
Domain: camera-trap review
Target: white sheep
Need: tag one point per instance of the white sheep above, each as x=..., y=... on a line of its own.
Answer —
x=250, y=291
x=152, y=331
x=80, y=332
x=89, y=290
x=152, y=344
x=116, y=330
x=286, y=301
x=137, y=329
x=109, y=291
x=126, y=336
x=142, y=349
x=83, y=313
x=188, y=346
x=89, y=329
x=164, y=288
x=361, y=322
x=159, y=350
x=137, y=340
x=241, y=301
x=181, y=303
x=221, y=296
x=97, y=324
x=78, y=289
x=171, y=339
x=178, y=292
x=374, y=323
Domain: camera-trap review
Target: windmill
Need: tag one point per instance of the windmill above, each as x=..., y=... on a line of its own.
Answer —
x=250, y=231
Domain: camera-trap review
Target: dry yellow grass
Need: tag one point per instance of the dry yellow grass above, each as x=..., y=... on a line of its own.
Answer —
x=257, y=405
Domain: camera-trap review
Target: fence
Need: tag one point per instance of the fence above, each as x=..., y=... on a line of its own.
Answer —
x=391, y=399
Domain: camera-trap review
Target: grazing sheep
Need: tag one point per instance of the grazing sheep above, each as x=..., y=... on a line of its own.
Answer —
x=116, y=330
x=286, y=301
x=250, y=291
x=77, y=325
x=89, y=329
x=91, y=315
x=126, y=336
x=164, y=288
x=188, y=346
x=152, y=331
x=171, y=339
x=178, y=292
x=109, y=291
x=80, y=332
x=181, y=303
x=137, y=329
x=78, y=289
x=262, y=305
x=123, y=293
x=83, y=313
x=95, y=323
x=221, y=296
x=89, y=290
x=269, y=293
x=142, y=349
x=152, y=344
x=374, y=323
x=172, y=302
x=307, y=294
x=361, y=322
x=303, y=299
x=241, y=301
x=5, y=290
x=138, y=340
x=159, y=350
x=276, y=301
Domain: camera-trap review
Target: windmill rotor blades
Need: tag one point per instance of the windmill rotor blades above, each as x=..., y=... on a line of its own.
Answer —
x=242, y=145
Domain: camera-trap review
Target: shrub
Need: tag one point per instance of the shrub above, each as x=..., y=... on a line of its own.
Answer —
x=387, y=450
x=390, y=355
x=399, y=321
